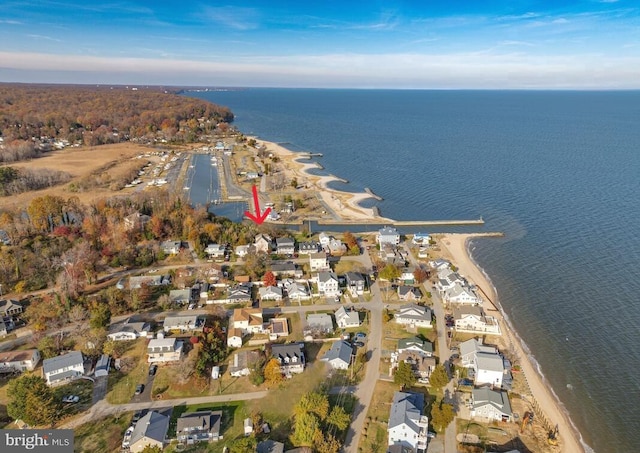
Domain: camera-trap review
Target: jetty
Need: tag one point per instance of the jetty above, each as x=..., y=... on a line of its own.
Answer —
x=373, y=195
x=401, y=223
x=307, y=155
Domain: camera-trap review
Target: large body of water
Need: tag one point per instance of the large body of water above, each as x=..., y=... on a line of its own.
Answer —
x=558, y=172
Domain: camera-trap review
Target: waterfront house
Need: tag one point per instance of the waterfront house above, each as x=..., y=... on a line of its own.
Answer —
x=409, y=293
x=10, y=307
x=439, y=264
x=339, y=355
x=318, y=261
x=182, y=324
x=388, y=235
x=270, y=293
x=472, y=319
x=415, y=345
x=297, y=291
x=490, y=405
x=421, y=239
x=215, y=250
x=200, y=426
x=355, y=283
x=60, y=369
x=407, y=426
x=414, y=315
x=285, y=246
x=469, y=349
x=171, y=247
x=336, y=247
x=489, y=370
x=242, y=362
x=19, y=361
x=234, y=337
x=319, y=322
x=324, y=239
x=328, y=284
x=346, y=319
x=128, y=330
x=461, y=295
x=249, y=320
x=262, y=243
x=149, y=431
x=162, y=350
x=307, y=248
x=290, y=356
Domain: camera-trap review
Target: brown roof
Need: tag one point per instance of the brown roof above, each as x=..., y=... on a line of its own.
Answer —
x=253, y=315
x=279, y=326
x=242, y=278
x=16, y=356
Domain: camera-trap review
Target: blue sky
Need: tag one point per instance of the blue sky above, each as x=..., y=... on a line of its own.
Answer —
x=366, y=44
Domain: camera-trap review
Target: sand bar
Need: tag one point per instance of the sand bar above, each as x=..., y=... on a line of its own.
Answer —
x=456, y=244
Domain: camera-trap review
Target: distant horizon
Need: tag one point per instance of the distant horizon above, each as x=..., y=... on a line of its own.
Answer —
x=533, y=45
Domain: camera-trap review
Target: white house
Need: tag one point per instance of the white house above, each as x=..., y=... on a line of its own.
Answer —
x=249, y=320
x=161, y=350
x=388, y=235
x=262, y=243
x=285, y=246
x=320, y=322
x=10, y=307
x=407, y=426
x=128, y=330
x=421, y=239
x=339, y=355
x=473, y=320
x=328, y=284
x=151, y=430
x=345, y=319
x=355, y=283
x=215, y=250
x=409, y=293
x=183, y=323
x=324, y=239
x=406, y=276
x=307, y=248
x=171, y=247
x=63, y=368
x=336, y=247
x=290, y=356
x=318, y=261
x=490, y=405
x=414, y=315
x=415, y=345
x=270, y=293
x=200, y=426
x=471, y=347
x=234, y=337
x=180, y=296
x=19, y=361
x=489, y=370
x=461, y=295
x=242, y=250
x=297, y=291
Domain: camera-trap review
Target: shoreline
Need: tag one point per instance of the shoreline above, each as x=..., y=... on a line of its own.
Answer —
x=570, y=439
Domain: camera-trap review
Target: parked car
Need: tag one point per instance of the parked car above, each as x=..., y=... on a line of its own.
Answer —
x=137, y=416
x=139, y=389
x=359, y=344
x=70, y=399
x=152, y=370
x=360, y=336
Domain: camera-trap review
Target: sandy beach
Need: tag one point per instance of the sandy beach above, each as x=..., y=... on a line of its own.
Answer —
x=455, y=244
x=345, y=205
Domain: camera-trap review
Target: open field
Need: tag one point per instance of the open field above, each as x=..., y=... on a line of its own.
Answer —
x=122, y=384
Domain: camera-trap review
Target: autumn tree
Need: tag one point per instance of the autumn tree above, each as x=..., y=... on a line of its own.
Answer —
x=32, y=401
x=269, y=279
x=306, y=428
x=389, y=272
x=314, y=402
x=100, y=316
x=272, y=373
x=255, y=264
x=404, y=375
x=420, y=275
x=441, y=415
x=439, y=377
x=339, y=418
x=115, y=348
x=326, y=443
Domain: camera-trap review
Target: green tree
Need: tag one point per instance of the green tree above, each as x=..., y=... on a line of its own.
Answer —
x=151, y=449
x=404, y=375
x=294, y=183
x=305, y=429
x=100, y=316
x=389, y=272
x=339, y=418
x=115, y=348
x=47, y=347
x=32, y=401
x=315, y=403
x=439, y=377
x=272, y=373
x=326, y=443
x=243, y=445
x=441, y=415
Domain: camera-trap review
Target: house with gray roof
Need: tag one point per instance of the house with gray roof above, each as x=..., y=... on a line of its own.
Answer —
x=306, y=248
x=297, y=291
x=150, y=430
x=270, y=446
x=270, y=293
x=355, y=283
x=489, y=369
x=409, y=293
x=102, y=366
x=10, y=307
x=63, y=368
x=415, y=344
x=469, y=350
x=414, y=315
x=19, y=361
x=171, y=247
x=180, y=296
x=346, y=319
x=472, y=319
x=128, y=330
x=388, y=235
x=242, y=361
x=490, y=405
x=407, y=426
x=290, y=356
x=286, y=269
x=328, y=284
x=200, y=426
x=319, y=323
x=285, y=246
x=339, y=356
x=192, y=323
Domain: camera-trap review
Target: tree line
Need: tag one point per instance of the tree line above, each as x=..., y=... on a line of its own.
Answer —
x=14, y=181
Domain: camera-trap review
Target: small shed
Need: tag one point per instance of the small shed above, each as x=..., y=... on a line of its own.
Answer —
x=215, y=372
x=248, y=426
x=102, y=367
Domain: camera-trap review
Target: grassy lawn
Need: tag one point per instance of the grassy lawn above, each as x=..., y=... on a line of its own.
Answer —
x=167, y=383
x=104, y=435
x=81, y=388
x=374, y=433
x=122, y=385
x=231, y=425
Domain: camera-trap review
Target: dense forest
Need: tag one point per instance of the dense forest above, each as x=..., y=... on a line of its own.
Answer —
x=38, y=118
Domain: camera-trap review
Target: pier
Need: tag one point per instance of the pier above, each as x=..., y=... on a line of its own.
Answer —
x=306, y=155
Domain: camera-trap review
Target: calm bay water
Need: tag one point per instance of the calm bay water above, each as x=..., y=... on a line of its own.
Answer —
x=558, y=172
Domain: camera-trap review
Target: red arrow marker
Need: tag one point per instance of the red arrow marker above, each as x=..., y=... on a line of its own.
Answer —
x=258, y=218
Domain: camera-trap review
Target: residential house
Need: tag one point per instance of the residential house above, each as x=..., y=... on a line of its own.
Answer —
x=307, y=248
x=319, y=323
x=440, y=264
x=297, y=291
x=409, y=293
x=248, y=426
x=461, y=295
x=183, y=324
x=10, y=307
x=447, y=279
x=346, y=319
x=489, y=370
x=239, y=293
x=472, y=319
x=414, y=315
x=355, y=283
x=128, y=330
x=336, y=247
x=171, y=247
x=136, y=221
x=291, y=357
x=249, y=320
x=490, y=405
x=6, y=326
x=148, y=280
x=324, y=240
x=328, y=284
x=234, y=337
x=421, y=239
x=215, y=250
x=285, y=246
x=262, y=243
x=339, y=355
x=270, y=446
x=242, y=362
x=161, y=350
x=270, y=293
x=407, y=426
x=286, y=269
x=242, y=250
x=58, y=370
x=149, y=431
x=277, y=328
x=415, y=345
x=180, y=296
x=102, y=366
x=19, y=361
x=318, y=261
x=406, y=276
x=422, y=366
x=200, y=426
x=388, y=235
x=470, y=348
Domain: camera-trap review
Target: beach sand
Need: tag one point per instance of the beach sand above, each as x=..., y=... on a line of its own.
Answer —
x=344, y=205
x=455, y=244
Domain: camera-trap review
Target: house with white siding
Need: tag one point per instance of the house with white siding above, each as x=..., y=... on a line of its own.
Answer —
x=407, y=425
x=162, y=350
x=472, y=319
x=318, y=261
x=414, y=315
x=490, y=405
x=388, y=235
x=19, y=361
x=63, y=368
x=328, y=284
